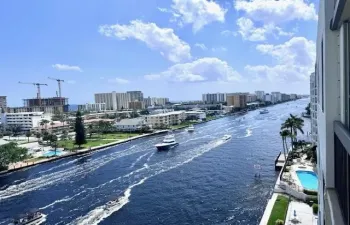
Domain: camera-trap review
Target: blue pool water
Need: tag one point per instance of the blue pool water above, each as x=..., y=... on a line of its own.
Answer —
x=52, y=153
x=308, y=179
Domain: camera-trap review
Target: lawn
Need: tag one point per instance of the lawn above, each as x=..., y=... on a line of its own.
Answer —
x=182, y=125
x=279, y=210
x=117, y=136
x=90, y=143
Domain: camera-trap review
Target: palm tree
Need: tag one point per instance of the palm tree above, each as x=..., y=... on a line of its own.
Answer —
x=38, y=136
x=293, y=124
x=284, y=134
x=44, y=122
x=28, y=134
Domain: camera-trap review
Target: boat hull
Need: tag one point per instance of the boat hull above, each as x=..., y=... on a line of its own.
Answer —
x=166, y=147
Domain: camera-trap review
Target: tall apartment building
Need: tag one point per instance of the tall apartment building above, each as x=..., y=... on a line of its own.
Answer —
x=285, y=97
x=92, y=107
x=260, y=95
x=313, y=107
x=237, y=100
x=333, y=115
x=277, y=96
x=122, y=101
x=110, y=99
x=293, y=96
x=3, y=103
x=251, y=98
x=136, y=105
x=214, y=98
x=135, y=96
x=165, y=119
x=268, y=98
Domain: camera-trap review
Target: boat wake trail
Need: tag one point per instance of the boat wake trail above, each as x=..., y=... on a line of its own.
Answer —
x=138, y=160
x=139, y=176
x=65, y=174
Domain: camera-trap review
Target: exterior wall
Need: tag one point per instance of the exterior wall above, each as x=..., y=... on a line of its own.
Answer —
x=3, y=102
x=201, y=115
x=260, y=95
x=136, y=105
x=251, y=98
x=93, y=107
x=135, y=95
x=214, y=98
x=122, y=100
x=268, y=98
x=277, y=96
x=26, y=120
x=108, y=98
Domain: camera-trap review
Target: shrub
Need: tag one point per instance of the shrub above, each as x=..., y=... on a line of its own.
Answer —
x=315, y=208
x=310, y=200
x=309, y=192
x=279, y=222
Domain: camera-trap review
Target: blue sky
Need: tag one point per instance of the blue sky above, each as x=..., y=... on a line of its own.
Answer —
x=165, y=48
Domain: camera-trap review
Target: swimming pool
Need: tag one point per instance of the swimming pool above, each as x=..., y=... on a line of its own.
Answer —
x=308, y=179
x=51, y=153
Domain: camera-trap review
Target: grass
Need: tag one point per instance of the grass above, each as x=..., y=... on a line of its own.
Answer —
x=182, y=125
x=279, y=210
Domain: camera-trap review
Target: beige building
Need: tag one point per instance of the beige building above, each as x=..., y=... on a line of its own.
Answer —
x=237, y=100
x=165, y=119
x=136, y=105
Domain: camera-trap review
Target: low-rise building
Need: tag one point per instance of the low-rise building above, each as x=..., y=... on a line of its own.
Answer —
x=199, y=114
x=92, y=107
x=166, y=119
x=25, y=120
x=130, y=125
x=159, y=111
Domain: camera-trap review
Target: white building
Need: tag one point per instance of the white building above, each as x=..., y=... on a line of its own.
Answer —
x=135, y=124
x=313, y=107
x=267, y=98
x=3, y=103
x=251, y=98
x=26, y=120
x=110, y=99
x=199, y=114
x=293, y=96
x=277, y=96
x=166, y=119
x=260, y=95
x=135, y=96
x=214, y=98
x=122, y=101
x=93, y=107
x=333, y=116
x=159, y=111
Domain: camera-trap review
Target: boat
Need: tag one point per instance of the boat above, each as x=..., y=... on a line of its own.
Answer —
x=111, y=204
x=264, y=111
x=168, y=142
x=226, y=137
x=190, y=128
x=34, y=218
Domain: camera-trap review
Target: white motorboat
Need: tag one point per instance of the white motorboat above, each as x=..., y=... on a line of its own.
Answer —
x=168, y=142
x=264, y=111
x=190, y=128
x=226, y=137
x=34, y=218
x=111, y=204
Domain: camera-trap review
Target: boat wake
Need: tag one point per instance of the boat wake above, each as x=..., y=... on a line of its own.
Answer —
x=138, y=160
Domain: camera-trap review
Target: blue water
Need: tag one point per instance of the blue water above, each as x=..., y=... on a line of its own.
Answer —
x=308, y=179
x=201, y=181
x=51, y=153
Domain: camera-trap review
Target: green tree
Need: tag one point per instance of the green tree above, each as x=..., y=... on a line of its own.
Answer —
x=90, y=129
x=144, y=112
x=44, y=122
x=284, y=134
x=79, y=129
x=28, y=135
x=11, y=153
x=53, y=141
x=38, y=136
x=134, y=114
x=293, y=124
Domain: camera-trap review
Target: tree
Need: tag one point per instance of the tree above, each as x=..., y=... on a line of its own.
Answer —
x=144, y=112
x=11, y=153
x=28, y=134
x=308, y=109
x=284, y=134
x=38, y=136
x=79, y=129
x=90, y=129
x=15, y=129
x=293, y=124
x=45, y=136
x=134, y=114
x=44, y=122
x=53, y=141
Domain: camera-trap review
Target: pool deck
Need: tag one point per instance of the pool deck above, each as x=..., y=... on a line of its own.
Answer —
x=304, y=214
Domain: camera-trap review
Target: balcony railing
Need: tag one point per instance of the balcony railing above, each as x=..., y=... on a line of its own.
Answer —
x=342, y=168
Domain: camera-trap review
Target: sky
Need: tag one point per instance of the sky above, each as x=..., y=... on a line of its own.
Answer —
x=178, y=49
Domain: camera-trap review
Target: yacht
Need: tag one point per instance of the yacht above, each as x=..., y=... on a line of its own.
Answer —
x=226, y=137
x=190, y=128
x=264, y=111
x=168, y=142
x=111, y=204
x=34, y=218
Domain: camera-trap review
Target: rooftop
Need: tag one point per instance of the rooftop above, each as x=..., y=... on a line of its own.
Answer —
x=167, y=114
x=135, y=121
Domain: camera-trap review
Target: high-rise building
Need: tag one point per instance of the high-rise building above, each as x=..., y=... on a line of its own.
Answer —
x=214, y=98
x=276, y=96
x=313, y=107
x=251, y=98
x=92, y=107
x=135, y=96
x=122, y=101
x=238, y=100
x=333, y=115
x=136, y=105
x=110, y=99
x=3, y=103
x=268, y=98
x=260, y=95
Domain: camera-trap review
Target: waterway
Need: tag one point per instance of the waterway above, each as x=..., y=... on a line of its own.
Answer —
x=202, y=181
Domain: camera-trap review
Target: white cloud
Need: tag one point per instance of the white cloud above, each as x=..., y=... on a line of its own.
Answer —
x=228, y=33
x=201, y=46
x=118, y=81
x=295, y=60
x=272, y=11
x=201, y=70
x=64, y=67
x=71, y=81
x=219, y=49
x=163, y=40
x=249, y=31
x=199, y=13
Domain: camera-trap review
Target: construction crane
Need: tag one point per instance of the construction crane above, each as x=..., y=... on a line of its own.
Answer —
x=38, y=86
x=59, y=85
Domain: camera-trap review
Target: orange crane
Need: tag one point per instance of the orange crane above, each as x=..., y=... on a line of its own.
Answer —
x=38, y=87
x=59, y=85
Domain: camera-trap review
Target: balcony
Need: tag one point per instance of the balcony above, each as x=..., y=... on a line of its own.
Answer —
x=342, y=169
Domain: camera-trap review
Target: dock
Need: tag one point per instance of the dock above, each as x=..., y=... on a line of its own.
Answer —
x=279, y=161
